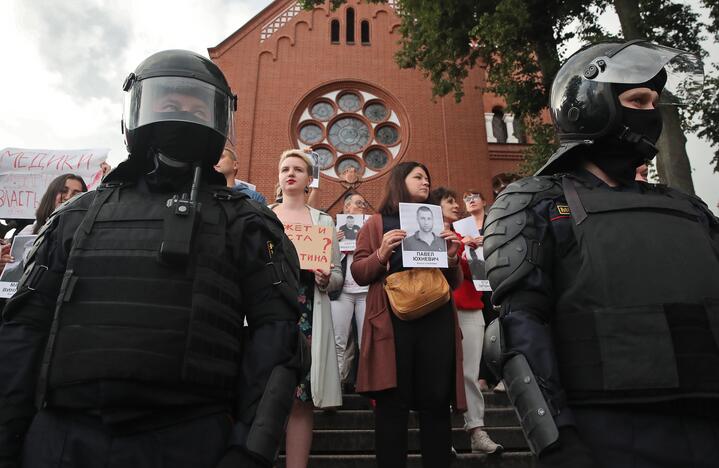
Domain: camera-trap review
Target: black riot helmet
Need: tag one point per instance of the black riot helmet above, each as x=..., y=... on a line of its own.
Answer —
x=178, y=108
x=584, y=102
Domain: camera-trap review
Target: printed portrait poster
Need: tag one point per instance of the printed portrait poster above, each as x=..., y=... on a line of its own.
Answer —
x=26, y=173
x=423, y=247
x=313, y=245
x=475, y=257
x=350, y=225
x=12, y=273
x=315, y=169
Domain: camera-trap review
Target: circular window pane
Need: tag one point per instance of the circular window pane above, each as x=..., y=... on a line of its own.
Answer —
x=376, y=112
x=326, y=157
x=349, y=134
x=311, y=133
x=376, y=158
x=347, y=164
x=387, y=135
x=349, y=102
x=322, y=111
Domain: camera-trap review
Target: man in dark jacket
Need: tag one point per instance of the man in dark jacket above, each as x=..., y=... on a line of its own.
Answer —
x=608, y=287
x=124, y=344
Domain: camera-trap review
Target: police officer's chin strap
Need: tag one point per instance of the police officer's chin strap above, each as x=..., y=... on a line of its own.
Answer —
x=167, y=173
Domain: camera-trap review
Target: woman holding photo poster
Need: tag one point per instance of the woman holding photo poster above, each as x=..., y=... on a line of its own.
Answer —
x=321, y=388
x=471, y=321
x=407, y=364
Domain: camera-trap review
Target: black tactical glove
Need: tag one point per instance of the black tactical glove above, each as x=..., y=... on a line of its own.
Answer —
x=570, y=452
x=237, y=458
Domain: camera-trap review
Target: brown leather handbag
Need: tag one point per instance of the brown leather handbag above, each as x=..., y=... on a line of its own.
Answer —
x=415, y=292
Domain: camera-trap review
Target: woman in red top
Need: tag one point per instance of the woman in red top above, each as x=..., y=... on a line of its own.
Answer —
x=471, y=321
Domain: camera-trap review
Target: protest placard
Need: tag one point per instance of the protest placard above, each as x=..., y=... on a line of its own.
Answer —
x=26, y=173
x=423, y=247
x=315, y=169
x=475, y=257
x=313, y=245
x=350, y=225
x=12, y=272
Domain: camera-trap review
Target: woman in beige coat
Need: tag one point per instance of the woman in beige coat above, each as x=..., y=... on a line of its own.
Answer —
x=322, y=387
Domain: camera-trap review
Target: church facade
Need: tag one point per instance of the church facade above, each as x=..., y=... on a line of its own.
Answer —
x=328, y=80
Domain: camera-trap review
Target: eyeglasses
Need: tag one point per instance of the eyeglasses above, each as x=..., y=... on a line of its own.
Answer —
x=360, y=204
x=471, y=198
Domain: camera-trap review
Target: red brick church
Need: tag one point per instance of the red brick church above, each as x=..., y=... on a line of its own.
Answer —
x=328, y=80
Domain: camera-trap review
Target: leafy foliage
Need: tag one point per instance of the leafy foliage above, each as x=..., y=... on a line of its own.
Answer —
x=519, y=43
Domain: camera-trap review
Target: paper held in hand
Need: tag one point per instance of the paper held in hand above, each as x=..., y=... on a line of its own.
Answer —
x=423, y=247
x=349, y=225
x=12, y=272
x=313, y=245
x=475, y=257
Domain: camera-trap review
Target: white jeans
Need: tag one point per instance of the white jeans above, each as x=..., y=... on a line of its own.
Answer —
x=471, y=322
x=343, y=309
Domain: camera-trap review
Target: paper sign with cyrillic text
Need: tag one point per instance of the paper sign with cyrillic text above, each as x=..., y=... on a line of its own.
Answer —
x=313, y=245
x=26, y=173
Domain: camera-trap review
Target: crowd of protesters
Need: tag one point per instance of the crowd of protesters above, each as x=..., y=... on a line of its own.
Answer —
x=402, y=365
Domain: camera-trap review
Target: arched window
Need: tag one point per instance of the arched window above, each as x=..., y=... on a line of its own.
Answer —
x=335, y=31
x=364, y=32
x=519, y=131
x=350, y=26
x=499, y=128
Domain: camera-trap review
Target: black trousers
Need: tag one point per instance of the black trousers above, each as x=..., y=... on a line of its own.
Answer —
x=425, y=382
x=63, y=440
x=671, y=435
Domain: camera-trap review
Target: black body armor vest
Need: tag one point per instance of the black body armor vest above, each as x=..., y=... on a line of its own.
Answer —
x=124, y=315
x=638, y=313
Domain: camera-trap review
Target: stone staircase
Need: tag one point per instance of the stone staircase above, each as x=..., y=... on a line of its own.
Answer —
x=345, y=438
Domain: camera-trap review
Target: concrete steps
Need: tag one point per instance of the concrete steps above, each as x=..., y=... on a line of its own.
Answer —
x=345, y=438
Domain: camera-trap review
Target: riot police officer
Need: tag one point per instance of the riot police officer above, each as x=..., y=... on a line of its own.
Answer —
x=608, y=288
x=124, y=345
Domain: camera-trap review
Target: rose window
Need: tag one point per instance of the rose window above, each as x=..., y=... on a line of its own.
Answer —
x=351, y=126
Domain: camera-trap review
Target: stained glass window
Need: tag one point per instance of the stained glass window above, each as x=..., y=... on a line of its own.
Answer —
x=349, y=134
x=376, y=112
x=387, y=135
x=322, y=111
x=349, y=102
x=311, y=133
x=376, y=158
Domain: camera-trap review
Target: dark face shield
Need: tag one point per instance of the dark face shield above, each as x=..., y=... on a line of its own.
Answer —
x=639, y=62
x=179, y=99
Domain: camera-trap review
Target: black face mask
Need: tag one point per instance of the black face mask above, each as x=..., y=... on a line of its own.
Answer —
x=619, y=155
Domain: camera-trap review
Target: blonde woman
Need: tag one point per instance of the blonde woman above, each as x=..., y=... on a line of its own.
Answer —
x=322, y=387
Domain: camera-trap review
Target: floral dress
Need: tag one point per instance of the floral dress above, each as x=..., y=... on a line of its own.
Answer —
x=306, y=300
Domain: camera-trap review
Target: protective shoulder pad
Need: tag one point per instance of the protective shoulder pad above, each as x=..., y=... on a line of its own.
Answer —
x=509, y=251
x=697, y=202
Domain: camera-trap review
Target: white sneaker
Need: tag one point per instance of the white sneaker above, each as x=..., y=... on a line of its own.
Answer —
x=483, y=444
x=499, y=388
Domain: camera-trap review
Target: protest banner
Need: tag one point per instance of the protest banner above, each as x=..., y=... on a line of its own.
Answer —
x=313, y=245
x=467, y=227
x=12, y=272
x=26, y=173
x=350, y=225
x=423, y=247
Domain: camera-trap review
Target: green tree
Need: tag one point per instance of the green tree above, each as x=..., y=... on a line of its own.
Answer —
x=520, y=41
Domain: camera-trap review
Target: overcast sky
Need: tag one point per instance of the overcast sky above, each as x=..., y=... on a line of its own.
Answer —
x=63, y=64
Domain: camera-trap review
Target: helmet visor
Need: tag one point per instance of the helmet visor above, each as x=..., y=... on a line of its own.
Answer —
x=179, y=99
x=640, y=62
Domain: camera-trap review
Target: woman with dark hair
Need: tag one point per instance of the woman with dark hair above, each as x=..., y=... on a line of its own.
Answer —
x=61, y=189
x=413, y=364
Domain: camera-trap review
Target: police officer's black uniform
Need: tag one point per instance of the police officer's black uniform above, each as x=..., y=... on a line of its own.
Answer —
x=609, y=296
x=127, y=330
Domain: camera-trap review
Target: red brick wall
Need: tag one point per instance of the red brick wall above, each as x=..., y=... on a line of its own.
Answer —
x=271, y=77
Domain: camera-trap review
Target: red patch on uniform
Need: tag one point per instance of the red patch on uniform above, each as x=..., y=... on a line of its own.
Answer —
x=559, y=217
